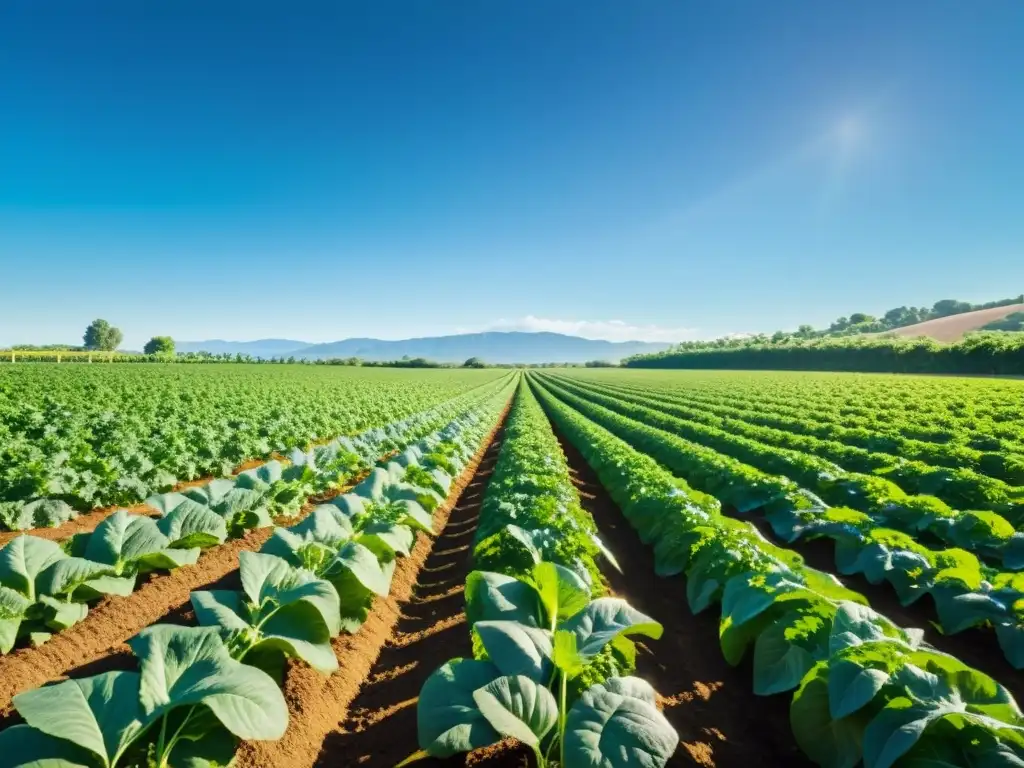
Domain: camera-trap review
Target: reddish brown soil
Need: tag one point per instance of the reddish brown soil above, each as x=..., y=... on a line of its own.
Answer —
x=319, y=705
x=977, y=647
x=710, y=704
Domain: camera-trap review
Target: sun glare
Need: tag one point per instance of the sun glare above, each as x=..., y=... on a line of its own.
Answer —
x=850, y=131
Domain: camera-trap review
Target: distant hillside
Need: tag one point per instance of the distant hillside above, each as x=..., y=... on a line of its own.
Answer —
x=954, y=327
x=492, y=347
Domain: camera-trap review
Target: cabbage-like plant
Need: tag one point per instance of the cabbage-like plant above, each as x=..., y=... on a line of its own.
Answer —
x=187, y=704
x=42, y=589
x=535, y=637
x=280, y=609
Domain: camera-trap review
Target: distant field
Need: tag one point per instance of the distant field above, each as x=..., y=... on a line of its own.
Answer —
x=954, y=327
x=113, y=433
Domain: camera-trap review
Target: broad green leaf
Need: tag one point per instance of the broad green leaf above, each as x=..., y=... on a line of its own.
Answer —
x=516, y=649
x=788, y=648
x=165, y=503
x=363, y=565
x=608, y=729
x=23, y=559
x=326, y=524
x=605, y=618
x=101, y=713
x=123, y=538
x=527, y=539
x=414, y=515
x=372, y=487
x=212, y=492
x=894, y=730
x=13, y=606
x=214, y=749
x=448, y=719
x=517, y=706
x=63, y=576
x=25, y=747
x=565, y=655
x=561, y=591
x=193, y=525
x=853, y=684
x=494, y=596
x=387, y=539
x=190, y=665
x=221, y=608
x=59, y=614
x=630, y=687
x=829, y=742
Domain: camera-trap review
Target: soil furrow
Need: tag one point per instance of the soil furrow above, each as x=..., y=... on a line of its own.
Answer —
x=711, y=704
x=319, y=705
x=380, y=726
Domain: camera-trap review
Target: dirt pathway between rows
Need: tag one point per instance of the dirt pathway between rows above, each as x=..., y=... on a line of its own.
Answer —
x=322, y=708
x=720, y=721
x=380, y=730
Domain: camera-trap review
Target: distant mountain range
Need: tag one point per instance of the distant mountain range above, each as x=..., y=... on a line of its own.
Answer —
x=492, y=347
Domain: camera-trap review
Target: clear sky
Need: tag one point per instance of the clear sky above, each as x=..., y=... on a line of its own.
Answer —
x=657, y=169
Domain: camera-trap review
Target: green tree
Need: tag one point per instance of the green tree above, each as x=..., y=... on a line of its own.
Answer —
x=159, y=345
x=947, y=307
x=474, y=362
x=860, y=317
x=102, y=336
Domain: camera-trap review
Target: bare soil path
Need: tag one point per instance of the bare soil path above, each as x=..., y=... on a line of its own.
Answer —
x=405, y=633
x=711, y=704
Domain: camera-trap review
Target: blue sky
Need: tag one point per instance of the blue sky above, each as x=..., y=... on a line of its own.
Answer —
x=653, y=169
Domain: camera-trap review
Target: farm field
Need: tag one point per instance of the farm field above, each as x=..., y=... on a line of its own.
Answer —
x=553, y=567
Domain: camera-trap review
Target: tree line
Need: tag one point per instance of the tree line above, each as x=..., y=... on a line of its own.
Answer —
x=978, y=353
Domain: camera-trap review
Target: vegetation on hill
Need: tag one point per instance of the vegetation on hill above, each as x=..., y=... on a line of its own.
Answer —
x=979, y=353
x=1012, y=322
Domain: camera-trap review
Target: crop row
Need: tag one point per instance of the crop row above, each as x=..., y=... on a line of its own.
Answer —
x=865, y=689
x=200, y=689
x=553, y=657
x=104, y=435
x=966, y=592
x=974, y=406
x=960, y=475
x=46, y=586
x=913, y=412
x=988, y=533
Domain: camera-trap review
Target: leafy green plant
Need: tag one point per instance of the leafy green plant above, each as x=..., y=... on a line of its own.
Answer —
x=187, y=704
x=281, y=608
x=535, y=636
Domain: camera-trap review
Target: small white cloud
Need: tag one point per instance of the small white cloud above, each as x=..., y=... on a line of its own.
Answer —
x=608, y=330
